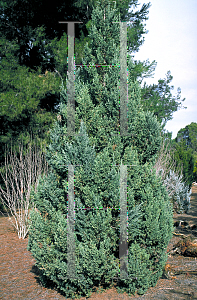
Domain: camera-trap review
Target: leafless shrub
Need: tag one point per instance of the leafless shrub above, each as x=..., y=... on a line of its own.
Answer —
x=172, y=176
x=165, y=160
x=20, y=175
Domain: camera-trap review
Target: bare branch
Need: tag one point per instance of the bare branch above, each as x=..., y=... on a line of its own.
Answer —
x=20, y=175
x=165, y=164
x=165, y=161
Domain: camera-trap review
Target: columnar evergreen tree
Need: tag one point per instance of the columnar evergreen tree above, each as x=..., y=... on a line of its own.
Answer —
x=97, y=180
x=95, y=238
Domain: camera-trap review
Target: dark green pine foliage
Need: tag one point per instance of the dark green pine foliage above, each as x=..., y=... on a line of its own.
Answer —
x=150, y=215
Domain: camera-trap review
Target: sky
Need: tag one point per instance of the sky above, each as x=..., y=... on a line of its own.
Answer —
x=172, y=42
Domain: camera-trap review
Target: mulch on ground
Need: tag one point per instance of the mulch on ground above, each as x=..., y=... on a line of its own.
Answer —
x=19, y=278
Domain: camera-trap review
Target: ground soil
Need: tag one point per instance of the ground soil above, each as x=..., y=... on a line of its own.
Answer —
x=19, y=278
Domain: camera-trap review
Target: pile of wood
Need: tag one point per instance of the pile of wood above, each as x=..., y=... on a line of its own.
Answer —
x=187, y=246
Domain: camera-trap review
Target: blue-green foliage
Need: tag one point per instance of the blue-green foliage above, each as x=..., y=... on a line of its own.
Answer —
x=97, y=96
x=96, y=240
x=97, y=182
x=94, y=236
x=154, y=226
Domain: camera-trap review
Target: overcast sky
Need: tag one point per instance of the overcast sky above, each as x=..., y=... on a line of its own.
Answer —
x=172, y=42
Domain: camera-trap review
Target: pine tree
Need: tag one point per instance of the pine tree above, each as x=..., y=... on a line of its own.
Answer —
x=97, y=157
